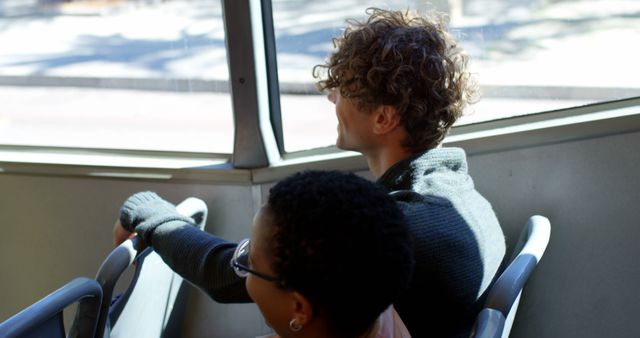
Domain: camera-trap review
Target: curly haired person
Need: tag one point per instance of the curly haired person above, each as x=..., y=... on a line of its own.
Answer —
x=398, y=82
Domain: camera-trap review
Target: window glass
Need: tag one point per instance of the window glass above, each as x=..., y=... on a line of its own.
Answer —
x=115, y=74
x=528, y=56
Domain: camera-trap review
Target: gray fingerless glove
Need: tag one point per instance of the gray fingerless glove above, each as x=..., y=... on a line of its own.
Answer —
x=144, y=211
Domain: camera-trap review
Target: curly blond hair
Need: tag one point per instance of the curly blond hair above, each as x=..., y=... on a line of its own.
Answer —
x=407, y=61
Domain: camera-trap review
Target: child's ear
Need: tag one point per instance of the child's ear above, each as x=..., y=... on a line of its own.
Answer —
x=386, y=119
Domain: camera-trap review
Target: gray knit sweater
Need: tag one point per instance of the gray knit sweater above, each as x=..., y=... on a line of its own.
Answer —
x=459, y=245
x=458, y=242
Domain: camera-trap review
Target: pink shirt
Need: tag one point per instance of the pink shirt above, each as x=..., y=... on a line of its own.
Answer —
x=389, y=325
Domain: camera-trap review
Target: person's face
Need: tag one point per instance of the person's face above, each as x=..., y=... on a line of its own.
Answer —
x=355, y=127
x=273, y=302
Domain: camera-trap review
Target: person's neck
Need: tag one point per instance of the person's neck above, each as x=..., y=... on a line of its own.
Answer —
x=381, y=160
x=321, y=330
x=371, y=332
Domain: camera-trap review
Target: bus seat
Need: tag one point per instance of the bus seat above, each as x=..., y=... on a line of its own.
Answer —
x=144, y=309
x=489, y=324
x=496, y=318
x=45, y=317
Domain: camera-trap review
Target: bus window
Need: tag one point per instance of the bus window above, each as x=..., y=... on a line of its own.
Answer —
x=115, y=74
x=528, y=57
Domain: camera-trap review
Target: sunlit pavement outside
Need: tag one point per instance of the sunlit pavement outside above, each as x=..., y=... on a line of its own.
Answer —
x=553, y=53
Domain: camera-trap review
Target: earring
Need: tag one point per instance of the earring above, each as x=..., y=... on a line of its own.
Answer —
x=294, y=326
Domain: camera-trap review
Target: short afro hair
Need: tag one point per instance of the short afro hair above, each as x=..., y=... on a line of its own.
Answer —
x=407, y=61
x=342, y=242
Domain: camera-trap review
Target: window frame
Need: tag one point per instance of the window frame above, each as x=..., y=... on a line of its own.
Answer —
x=258, y=153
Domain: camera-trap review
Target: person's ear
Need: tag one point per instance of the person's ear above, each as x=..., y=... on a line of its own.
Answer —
x=386, y=119
x=302, y=312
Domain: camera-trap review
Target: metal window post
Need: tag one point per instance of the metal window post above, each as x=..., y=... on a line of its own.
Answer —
x=253, y=83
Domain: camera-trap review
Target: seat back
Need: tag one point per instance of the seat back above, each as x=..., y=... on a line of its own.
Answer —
x=496, y=319
x=45, y=317
x=490, y=324
x=144, y=309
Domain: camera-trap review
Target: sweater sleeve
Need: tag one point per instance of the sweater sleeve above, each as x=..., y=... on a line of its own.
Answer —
x=197, y=256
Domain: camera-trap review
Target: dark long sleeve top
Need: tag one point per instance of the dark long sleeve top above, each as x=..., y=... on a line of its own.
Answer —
x=197, y=256
x=458, y=243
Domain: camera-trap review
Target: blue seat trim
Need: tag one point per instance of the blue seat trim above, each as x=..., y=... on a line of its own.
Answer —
x=44, y=318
